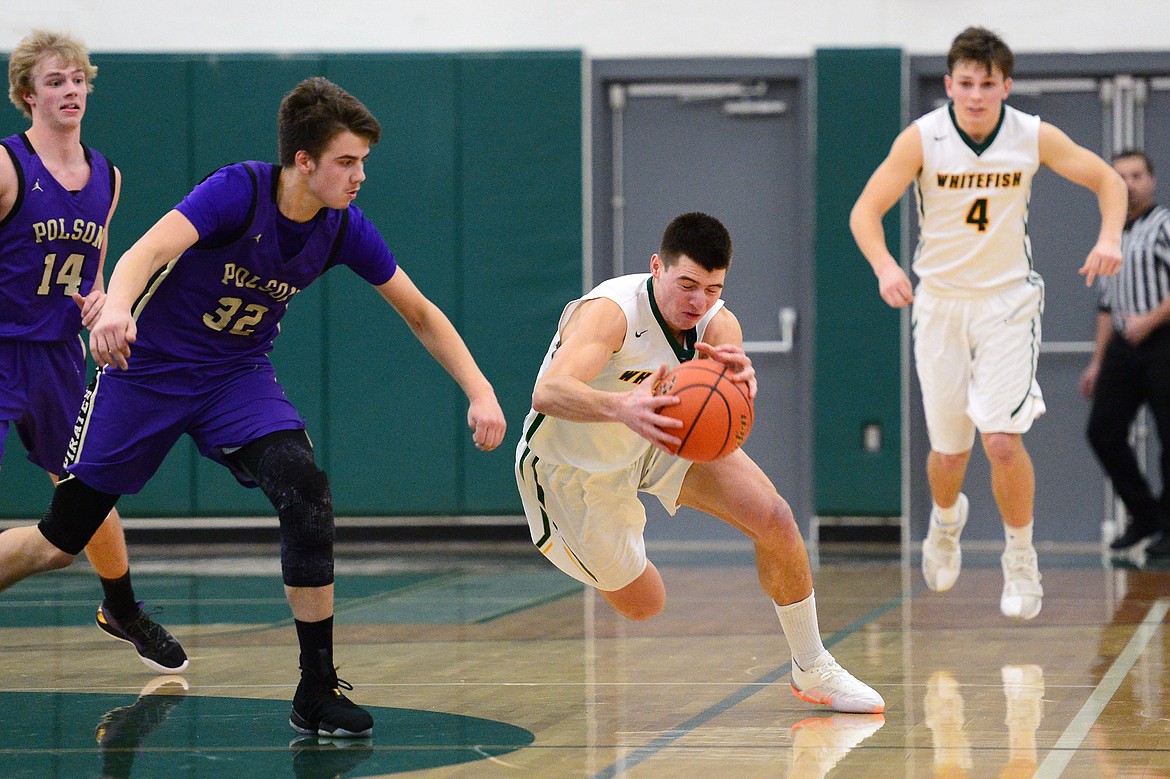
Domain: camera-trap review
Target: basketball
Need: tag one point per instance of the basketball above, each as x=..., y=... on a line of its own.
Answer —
x=716, y=412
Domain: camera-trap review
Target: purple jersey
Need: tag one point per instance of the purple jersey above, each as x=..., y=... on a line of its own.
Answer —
x=222, y=299
x=50, y=245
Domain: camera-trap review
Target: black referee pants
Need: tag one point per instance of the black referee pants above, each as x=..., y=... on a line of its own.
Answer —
x=1130, y=376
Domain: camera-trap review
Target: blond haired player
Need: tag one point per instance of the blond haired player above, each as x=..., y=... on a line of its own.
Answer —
x=51, y=287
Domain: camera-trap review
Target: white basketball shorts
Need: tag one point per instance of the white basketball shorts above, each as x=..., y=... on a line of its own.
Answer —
x=976, y=360
x=590, y=525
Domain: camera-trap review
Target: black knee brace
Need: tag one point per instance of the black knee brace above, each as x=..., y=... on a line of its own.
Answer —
x=282, y=464
x=76, y=513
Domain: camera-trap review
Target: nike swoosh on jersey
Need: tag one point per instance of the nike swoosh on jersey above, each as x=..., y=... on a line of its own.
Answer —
x=639, y=334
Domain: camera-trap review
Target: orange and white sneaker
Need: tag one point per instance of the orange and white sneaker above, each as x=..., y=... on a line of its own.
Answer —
x=826, y=682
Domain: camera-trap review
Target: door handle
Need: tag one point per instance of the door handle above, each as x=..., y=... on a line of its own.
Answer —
x=787, y=340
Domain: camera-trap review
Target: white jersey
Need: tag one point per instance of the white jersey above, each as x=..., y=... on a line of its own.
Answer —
x=608, y=446
x=973, y=203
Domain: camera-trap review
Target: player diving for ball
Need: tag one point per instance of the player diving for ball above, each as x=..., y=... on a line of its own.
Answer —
x=595, y=437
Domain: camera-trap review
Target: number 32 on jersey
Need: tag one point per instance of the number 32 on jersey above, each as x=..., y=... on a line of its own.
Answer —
x=235, y=317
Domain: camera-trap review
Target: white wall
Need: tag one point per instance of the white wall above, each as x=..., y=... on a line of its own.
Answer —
x=602, y=28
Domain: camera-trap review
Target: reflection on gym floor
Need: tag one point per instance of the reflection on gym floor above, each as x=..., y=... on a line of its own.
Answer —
x=486, y=662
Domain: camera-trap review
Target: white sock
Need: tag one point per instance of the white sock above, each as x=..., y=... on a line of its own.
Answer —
x=949, y=515
x=799, y=622
x=1019, y=537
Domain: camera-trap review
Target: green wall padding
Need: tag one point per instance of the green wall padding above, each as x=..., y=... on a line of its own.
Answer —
x=476, y=186
x=395, y=444
x=516, y=279
x=857, y=379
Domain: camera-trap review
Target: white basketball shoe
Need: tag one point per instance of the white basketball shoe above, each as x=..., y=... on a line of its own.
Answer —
x=828, y=683
x=1022, y=594
x=942, y=559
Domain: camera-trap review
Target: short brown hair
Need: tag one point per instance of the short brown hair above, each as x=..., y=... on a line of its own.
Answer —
x=314, y=112
x=32, y=49
x=699, y=236
x=981, y=45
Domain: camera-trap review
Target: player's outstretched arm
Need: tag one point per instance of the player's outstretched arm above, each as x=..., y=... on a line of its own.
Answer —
x=1081, y=166
x=593, y=333
x=115, y=330
x=881, y=192
x=434, y=331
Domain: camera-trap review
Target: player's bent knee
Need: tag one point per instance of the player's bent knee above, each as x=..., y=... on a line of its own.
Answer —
x=641, y=614
x=37, y=553
x=53, y=559
x=307, y=530
x=776, y=525
x=642, y=598
x=1002, y=447
x=783, y=512
x=73, y=517
x=637, y=610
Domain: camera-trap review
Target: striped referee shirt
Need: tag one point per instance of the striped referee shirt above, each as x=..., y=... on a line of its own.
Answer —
x=1144, y=279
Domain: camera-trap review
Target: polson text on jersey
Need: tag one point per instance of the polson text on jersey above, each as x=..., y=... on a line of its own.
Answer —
x=236, y=276
x=54, y=230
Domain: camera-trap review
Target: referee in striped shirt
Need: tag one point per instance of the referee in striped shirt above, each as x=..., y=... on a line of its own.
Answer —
x=1131, y=363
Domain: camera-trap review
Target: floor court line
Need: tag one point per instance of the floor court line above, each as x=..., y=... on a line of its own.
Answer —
x=642, y=754
x=1066, y=746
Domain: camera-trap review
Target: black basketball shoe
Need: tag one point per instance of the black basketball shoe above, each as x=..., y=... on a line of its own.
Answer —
x=158, y=649
x=321, y=708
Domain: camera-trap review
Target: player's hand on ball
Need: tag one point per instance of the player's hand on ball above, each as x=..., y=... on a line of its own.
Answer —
x=487, y=423
x=715, y=411
x=640, y=411
x=735, y=358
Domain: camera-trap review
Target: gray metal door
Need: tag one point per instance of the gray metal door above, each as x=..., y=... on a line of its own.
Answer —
x=1071, y=497
x=731, y=147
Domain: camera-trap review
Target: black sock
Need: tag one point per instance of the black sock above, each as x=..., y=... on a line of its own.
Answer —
x=316, y=640
x=120, y=600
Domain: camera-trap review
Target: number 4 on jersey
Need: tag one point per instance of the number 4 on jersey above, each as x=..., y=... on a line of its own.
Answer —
x=978, y=214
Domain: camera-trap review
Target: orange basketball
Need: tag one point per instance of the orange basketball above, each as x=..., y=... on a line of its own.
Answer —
x=716, y=412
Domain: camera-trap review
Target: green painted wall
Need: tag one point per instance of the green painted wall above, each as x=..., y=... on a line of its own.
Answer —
x=857, y=380
x=476, y=187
